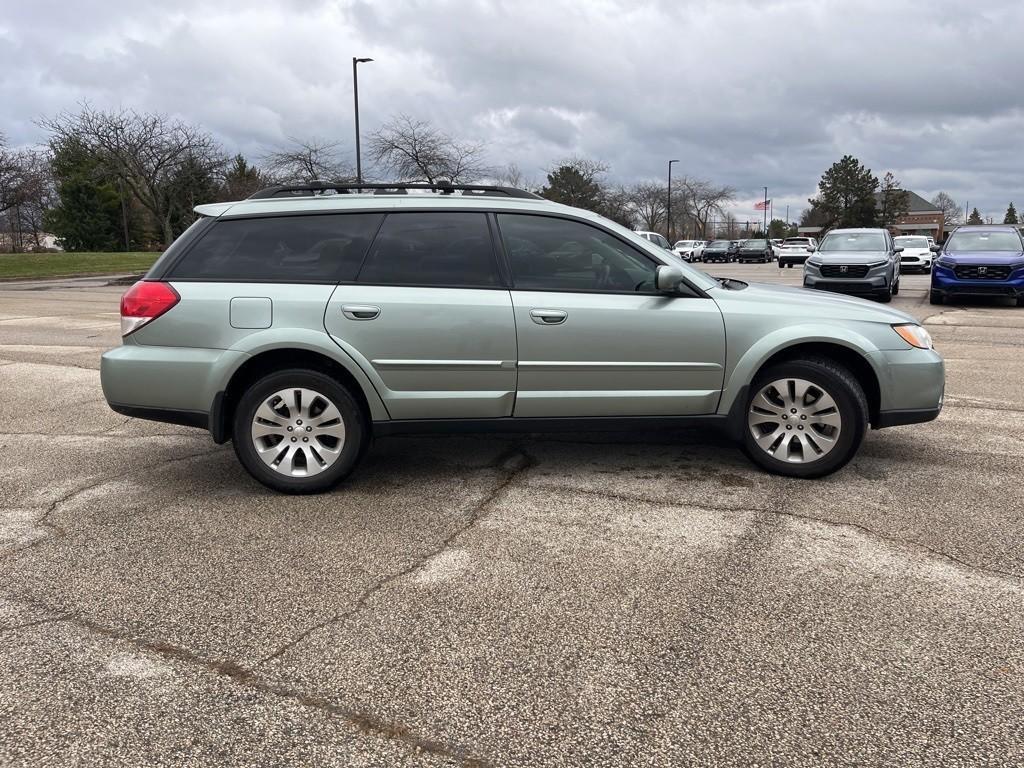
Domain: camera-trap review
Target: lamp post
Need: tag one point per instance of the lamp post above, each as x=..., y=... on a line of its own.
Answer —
x=668, y=214
x=764, y=225
x=355, y=95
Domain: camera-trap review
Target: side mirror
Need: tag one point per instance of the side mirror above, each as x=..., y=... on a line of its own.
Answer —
x=935, y=248
x=810, y=250
x=667, y=279
x=898, y=249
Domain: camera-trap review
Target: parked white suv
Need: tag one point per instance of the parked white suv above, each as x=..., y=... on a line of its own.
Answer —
x=917, y=253
x=688, y=250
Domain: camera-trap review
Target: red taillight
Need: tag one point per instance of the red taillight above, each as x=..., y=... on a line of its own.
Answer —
x=145, y=301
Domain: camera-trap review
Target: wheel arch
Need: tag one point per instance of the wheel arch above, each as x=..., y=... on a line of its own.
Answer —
x=853, y=354
x=273, y=359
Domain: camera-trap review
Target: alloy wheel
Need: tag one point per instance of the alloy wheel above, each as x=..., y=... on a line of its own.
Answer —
x=298, y=432
x=794, y=420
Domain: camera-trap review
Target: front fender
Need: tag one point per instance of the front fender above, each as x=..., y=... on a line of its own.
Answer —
x=740, y=374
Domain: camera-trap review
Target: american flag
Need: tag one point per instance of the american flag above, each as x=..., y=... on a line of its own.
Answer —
x=762, y=206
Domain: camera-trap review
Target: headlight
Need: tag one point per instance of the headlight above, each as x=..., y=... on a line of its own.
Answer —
x=875, y=264
x=814, y=262
x=944, y=262
x=914, y=335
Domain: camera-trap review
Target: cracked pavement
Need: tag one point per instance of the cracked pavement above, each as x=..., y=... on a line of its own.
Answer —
x=602, y=599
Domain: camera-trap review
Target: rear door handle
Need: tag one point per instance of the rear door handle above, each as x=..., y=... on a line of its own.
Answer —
x=548, y=316
x=360, y=311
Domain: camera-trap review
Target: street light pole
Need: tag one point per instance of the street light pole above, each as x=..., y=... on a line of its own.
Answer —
x=668, y=214
x=764, y=225
x=355, y=96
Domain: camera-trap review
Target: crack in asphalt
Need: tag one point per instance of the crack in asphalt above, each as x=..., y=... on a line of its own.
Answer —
x=58, y=532
x=780, y=512
x=38, y=622
x=525, y=463
x=365, y=722
x=514, y=461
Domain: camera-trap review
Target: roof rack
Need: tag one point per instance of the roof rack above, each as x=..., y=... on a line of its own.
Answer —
x=348, y=188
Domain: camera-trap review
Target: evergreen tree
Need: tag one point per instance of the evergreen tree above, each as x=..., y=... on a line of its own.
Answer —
x=893, y=201
x=846, y=195
x=975, y=217
x=87, y=216
x=1011, y=216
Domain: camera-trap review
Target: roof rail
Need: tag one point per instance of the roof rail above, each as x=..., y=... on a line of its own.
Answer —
x=347, y=188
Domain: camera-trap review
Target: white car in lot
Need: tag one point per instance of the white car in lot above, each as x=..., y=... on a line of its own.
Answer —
x=655, y=238
x=917, y=253
x=688, y=250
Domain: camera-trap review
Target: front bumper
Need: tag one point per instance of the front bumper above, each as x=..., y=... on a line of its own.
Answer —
x=876, y=281
x=912, y=386
x=945, y=281
x=915, y=262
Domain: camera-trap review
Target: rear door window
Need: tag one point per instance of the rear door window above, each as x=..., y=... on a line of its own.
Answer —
x=281, y=249
x=438, y=248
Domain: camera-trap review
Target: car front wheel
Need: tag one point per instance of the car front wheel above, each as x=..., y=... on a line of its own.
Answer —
x=804, y=418
x=299, y=431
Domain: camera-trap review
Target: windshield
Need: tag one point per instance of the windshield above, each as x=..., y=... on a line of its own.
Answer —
x=998, y=240
x=801, y=241
x=853, y=241
x=911, y=242
x=720, y=244
x=755, y=244
x=684, y=243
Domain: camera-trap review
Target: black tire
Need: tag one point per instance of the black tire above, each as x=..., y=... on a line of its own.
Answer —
x=936, y=297
x=356, y=438
x=896, y=286
x=885, y=297
x=850, y=401
x=1020, y=301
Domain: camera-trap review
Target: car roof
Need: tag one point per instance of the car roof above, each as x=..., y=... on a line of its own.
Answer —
x=355, y=202
x=990, y=227
x=855, y=230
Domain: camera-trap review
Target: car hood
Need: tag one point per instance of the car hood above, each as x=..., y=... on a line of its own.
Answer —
x=984, y=257
x=820, y=305
x=851, y=257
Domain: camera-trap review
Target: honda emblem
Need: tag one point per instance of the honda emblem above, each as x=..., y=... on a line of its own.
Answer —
x=982, y=270
x=844, y=268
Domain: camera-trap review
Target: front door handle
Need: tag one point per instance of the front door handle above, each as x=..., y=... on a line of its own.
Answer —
x=548, y=316
x=360, y=311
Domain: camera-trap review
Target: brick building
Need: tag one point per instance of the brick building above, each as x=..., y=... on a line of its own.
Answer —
x=921, y=218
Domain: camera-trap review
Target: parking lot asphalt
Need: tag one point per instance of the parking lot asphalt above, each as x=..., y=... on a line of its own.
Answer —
x=608, y=600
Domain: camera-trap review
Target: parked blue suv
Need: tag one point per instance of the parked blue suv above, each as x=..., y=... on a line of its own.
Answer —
x=979, y=260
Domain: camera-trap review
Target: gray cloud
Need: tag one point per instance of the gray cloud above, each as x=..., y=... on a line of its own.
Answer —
x=745, y=93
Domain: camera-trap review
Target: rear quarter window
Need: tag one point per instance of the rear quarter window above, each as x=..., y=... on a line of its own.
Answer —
x=325, y=248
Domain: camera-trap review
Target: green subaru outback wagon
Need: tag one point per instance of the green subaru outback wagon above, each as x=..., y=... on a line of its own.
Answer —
x=306, y=320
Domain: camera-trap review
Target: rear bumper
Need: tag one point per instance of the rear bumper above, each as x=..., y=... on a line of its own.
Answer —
x=174, y=385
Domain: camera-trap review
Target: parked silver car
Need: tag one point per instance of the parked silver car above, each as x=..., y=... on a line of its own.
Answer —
x=858, y=261
x=307, y=320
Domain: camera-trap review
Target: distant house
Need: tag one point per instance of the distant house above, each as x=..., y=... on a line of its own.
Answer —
x=921, y=218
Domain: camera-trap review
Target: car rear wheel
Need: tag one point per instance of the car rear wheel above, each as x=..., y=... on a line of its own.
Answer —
x=804, y=418
x=299, y=431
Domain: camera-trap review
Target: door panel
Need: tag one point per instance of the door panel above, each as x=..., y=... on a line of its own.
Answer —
x=618, y=354
x=433, y=353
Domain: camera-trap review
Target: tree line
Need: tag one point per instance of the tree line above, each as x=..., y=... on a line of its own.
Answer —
x=127, y=180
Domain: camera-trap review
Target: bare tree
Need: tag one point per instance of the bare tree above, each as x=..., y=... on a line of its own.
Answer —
x=648, y=200
x=706, y=199
x=414, y=150
x=26, y=193
x=148, y=152
x=308, y=160
x=952, y=213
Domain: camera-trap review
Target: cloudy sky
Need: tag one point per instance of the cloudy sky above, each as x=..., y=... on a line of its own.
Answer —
x=743, y=93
